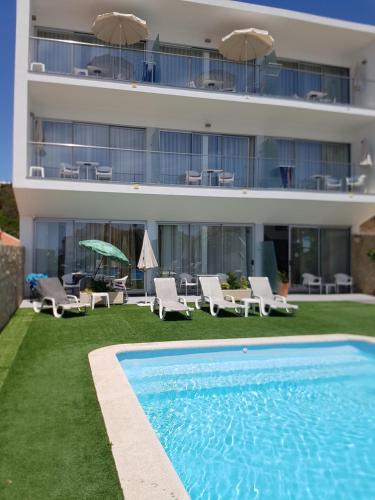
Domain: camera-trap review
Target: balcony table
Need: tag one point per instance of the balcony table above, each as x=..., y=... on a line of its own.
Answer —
x=319, y=179
x=87, y=165
x=210, y=171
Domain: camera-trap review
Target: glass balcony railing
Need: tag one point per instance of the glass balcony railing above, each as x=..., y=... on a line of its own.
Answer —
x=128, y=166
x=211, y=73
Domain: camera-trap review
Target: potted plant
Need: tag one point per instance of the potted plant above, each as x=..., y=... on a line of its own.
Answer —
x=371, y=254
x=235, y=286
x=115, y=296
x=283, y=283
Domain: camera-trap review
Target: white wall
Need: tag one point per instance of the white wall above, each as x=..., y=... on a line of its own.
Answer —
x=20, y=112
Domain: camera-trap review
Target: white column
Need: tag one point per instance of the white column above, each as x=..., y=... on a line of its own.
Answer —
x=20, y=112
x=27, y=241
x=258, y=255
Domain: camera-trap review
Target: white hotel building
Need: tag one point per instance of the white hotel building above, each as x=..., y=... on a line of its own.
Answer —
x=230, y=166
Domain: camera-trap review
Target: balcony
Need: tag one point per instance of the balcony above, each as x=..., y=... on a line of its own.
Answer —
x=210, y=73
x=81, y=163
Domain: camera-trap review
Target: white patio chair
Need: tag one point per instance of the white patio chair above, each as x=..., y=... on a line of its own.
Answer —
x=36, y=171
x=54, y=296
x=70, y=285
x=332, y=183
x=226, y=179
x=214, y=296
x=186, y=281
x=193, y=177
x=357, y=182
x=167, y=300
x=311, y=281
x=261, y=289
x=120, y=283
x=103, y=173
x=343, y=280
x=68, y=171
x=37, y=67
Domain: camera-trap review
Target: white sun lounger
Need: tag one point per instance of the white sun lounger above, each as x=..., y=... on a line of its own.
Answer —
x=214, y=296
x=167, y=300
x=261, y=289
x=54, y=296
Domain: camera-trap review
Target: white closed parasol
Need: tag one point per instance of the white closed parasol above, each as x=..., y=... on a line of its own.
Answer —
x=147, y=260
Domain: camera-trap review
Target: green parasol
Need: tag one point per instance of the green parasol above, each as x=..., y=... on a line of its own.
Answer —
x=105, y=250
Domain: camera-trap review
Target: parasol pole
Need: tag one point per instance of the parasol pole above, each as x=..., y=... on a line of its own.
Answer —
x=97, y=269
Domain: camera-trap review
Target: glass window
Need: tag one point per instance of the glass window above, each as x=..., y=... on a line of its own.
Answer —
x=174, y=248
x=335, y=252
x=205, y=249
x=54, y=248
x=57, y=249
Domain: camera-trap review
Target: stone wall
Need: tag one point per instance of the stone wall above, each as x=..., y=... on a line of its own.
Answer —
x=363, y=268
x=11, y=281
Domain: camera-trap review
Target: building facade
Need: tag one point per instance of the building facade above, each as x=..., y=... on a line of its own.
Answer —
x=232, y=167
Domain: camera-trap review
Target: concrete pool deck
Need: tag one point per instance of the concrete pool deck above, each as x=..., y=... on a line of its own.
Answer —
x=143, y=467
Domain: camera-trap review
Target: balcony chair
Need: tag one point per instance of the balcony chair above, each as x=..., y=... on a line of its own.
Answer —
x=167, y=300
x=226, y=179
x=36, y=172
x=186, y=280
x=81, y=72
x=356, y=182
x=38, y=67
x=68, y=171
x=343, y=280
x=193, y=177
x=103, y=173
x=311, y=281
x=261, y=289
x=333, y=183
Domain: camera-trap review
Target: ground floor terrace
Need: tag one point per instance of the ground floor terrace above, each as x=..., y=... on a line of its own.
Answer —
x=186, y=250
x=54, y=443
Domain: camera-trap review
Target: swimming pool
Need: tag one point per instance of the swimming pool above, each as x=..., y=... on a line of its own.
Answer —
x=270, y=422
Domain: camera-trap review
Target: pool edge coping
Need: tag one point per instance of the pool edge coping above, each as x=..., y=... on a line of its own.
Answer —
x=143, y=467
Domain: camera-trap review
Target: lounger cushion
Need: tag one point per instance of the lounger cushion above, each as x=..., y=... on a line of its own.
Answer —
x=174, y=306
x=52, y=287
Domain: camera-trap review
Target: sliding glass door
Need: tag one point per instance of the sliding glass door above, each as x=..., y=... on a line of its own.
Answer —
x=57, y=251
x=335, y=252
x=205, y=249
x=304, y=252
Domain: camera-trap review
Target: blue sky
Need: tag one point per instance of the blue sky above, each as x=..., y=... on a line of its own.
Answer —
x=352, y=10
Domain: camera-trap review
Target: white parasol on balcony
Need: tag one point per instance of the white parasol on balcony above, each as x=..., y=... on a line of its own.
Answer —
x=120, y=29
x=147, y=260
x=246, y=45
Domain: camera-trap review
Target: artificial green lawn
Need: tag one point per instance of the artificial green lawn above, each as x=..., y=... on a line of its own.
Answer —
x=53, y=443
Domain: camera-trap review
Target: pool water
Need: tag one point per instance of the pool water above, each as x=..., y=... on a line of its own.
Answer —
x=280, y=422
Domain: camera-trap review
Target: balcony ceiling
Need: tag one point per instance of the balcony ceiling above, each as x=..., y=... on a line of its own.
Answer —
x=192, y=21
x=160, y=107
x=63, y=199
